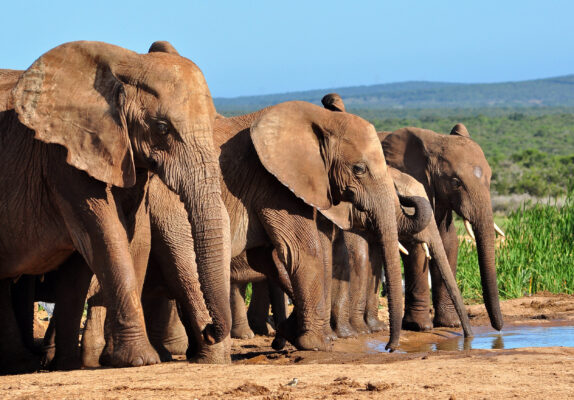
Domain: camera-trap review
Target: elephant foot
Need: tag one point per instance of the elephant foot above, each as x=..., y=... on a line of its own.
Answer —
x=375, y=324
x=330, y=333
x=242, y=331
x=260, y=326
x=176, y=345
x=446, y=319
x=360, y=325
x=345, y=331
x=65, y=363
x=163, y=353
x=19, y=362
x=48, y=355
x=313, y=341
x=130, y=354
x=418, y=321
x=278, y=343
x=218, y=353
x=91, y=356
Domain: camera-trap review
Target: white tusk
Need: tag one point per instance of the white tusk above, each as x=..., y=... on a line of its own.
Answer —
x=426, y=249
x=498, y=230
x=403, y=250
x=469, y=229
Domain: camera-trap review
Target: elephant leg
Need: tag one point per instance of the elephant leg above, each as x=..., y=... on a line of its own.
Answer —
x=358, y=250
x=373, y=289
x=23, y=294
x=303, y=261
x=240, y=328
x=15, y=357
x=264, y=261
x=258, y=310
x=71, y=289
x=417, y=299
x=279, y=308
x=340, y=300
x=93, y=340
x=326, y=235
x=100, y=233
x=49, y=342
x=444, y=311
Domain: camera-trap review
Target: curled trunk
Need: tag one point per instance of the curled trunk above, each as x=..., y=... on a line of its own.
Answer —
x=409, y=225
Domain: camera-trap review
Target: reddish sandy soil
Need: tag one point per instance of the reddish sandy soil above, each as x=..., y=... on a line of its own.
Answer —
x=351, y=370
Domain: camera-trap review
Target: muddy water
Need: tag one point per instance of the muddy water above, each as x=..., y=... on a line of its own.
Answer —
x=484, y=338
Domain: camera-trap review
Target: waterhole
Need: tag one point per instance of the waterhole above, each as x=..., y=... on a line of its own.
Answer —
x=509, y=338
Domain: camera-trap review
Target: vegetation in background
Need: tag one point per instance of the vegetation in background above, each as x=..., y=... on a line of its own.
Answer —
x=537, y=254
x=528, y=154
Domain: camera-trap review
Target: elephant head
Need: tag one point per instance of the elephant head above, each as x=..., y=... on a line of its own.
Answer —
x=333, y=161
x=114, y=110
x=456, y=176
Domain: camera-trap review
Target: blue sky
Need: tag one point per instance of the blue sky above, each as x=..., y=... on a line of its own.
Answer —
x=258, y=47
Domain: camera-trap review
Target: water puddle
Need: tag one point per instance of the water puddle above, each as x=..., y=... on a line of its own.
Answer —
x=509, y=338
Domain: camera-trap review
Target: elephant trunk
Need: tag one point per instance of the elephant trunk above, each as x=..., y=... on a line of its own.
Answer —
x=386, y=227
x=407, y=224
x=438, y=253
x=199, y=189
x=484, y=232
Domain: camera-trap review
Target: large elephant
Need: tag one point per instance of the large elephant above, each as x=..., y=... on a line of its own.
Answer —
x=80, y=130
x=456, y=177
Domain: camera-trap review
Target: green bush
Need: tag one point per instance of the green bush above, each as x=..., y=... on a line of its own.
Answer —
x=537, y=254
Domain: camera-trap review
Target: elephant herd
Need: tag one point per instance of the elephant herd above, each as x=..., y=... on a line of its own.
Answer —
x=121, y=186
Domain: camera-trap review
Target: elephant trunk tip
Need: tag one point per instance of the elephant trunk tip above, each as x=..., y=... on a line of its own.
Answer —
x=212, y=335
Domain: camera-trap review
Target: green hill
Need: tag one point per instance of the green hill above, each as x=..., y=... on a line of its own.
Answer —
x=549, y=92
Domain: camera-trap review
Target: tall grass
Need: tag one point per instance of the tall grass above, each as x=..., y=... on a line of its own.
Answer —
x=537, y=254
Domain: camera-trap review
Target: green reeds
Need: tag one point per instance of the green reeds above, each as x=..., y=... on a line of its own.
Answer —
x=536, y=255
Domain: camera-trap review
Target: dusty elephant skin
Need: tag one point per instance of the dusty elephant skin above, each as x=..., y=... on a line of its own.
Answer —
x=281, y=164
x=356, y=273
x=78, y=133
x=356, y=264
x=456, y=177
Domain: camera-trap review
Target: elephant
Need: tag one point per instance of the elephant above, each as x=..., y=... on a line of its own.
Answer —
x=282, y=167
x=81, y=130
x=356, y=299
x=356, y=272
x=456, y=177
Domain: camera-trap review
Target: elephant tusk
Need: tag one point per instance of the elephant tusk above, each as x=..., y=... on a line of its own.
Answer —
x=469, y=229
x=426, y=249
x=498, y=230
x=403, y=250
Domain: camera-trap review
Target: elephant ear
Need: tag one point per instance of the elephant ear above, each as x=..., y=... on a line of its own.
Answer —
x=405, y=150
x=162, y=46
x=460, y=130
x=333, y=102
x=70, y=96
x=341, y=215
x=291, y=141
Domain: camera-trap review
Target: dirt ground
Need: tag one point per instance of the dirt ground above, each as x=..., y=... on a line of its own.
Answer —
x=352, y=370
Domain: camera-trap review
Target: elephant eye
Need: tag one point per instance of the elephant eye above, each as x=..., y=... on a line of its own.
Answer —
x=163, y=127
x=359, y=168
x=456, y=183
